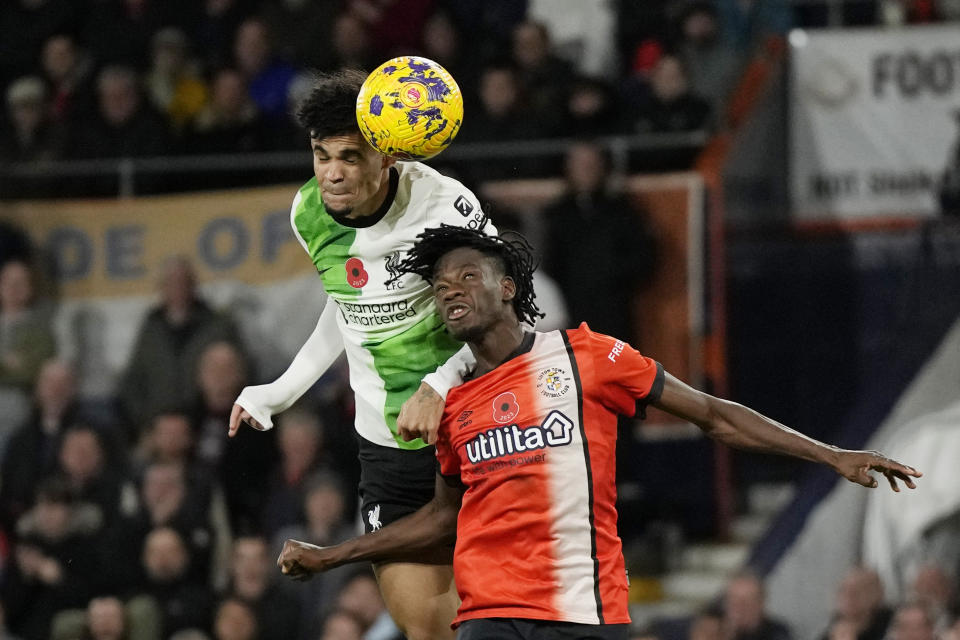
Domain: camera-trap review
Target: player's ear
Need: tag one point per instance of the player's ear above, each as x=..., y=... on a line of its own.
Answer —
x=508, y=288
x=388, y=162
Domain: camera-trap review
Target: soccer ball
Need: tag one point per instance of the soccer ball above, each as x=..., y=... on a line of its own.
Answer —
x=409, y=108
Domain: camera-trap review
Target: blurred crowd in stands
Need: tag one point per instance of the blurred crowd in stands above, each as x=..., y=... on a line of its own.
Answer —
x=140, y=516
x=95, y=79
x=860, y=610
x=140, y=78
x=113, y=78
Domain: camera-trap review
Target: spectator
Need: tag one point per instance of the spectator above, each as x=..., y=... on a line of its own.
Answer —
x=221, y=374
x=583, y=33
x=162, y=369
x=216, y=26
x=32, y=451
x=124, y=126
x=183, y=603
x=325, y=524
x=350, y=44
x=395, y=26
x=588, y=225
x=26, y=341
x=912, y=621
x=300, y=440
x=170, y=438
x=712, y=65
x=361, y=597
x=501, y=114
x=933, y=587
x=268, y=78
x=744, y=611
x=235, y=620
x=444, y=42
x=635, y=90
x=31, y=136
x=119, y=31
x=342, y=625
x=859, y=609
x=231, y=121
x=67, y=70
x=165, y=500
x=707, y=625
x=107, y=620
x=492, y=20
x=841, y=629
x=174, y=86
x=953, y=631
x=639, y=23
x=24, y=26
x=671, y=106
x=253, y=571
x=302, y=29
x=591, y=109
x=542, y=74
x=91, y=471
x=54, y=563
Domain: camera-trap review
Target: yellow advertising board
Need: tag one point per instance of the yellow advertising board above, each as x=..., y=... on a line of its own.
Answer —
x=109, y=248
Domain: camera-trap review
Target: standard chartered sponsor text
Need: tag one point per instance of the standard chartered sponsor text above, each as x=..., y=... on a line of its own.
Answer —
x=376, y=313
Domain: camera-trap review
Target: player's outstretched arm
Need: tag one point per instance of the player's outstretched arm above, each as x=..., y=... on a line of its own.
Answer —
x=420, y=415
x=433, y=524
x=744, y=428
x=257, y=404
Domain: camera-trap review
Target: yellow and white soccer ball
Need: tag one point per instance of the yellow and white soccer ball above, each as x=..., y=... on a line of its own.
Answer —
x=410, y=108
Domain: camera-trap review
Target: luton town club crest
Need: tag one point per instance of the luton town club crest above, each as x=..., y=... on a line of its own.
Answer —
x=553, y=382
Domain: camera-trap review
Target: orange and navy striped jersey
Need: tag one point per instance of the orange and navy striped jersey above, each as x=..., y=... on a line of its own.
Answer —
x=534, y=443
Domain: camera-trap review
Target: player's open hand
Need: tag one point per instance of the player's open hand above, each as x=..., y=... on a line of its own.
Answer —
x=239, y=415
x=856, y=466
x=301, y=560
x=420, y=415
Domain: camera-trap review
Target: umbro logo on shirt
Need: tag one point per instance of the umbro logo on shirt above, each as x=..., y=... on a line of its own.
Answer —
x=462, y=420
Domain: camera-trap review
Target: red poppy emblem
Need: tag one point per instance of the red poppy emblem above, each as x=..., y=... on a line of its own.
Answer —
x=505, y=407
x=356, y=275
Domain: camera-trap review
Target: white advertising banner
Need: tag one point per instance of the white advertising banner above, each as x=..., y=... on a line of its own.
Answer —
x=874, y=121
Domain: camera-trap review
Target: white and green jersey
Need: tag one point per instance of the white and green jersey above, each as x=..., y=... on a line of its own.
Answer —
x=391, y=331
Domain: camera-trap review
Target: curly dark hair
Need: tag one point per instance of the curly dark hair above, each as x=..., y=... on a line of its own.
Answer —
x=331, y=107
x=512, y=252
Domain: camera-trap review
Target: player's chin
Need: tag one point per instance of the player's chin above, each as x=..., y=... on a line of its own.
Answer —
x=464, y=332
x=340, y=212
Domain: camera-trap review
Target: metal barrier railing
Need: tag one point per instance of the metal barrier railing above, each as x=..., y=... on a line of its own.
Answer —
x=129, y=173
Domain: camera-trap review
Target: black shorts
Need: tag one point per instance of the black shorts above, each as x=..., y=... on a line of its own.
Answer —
x=522, y=629
x=393, y=482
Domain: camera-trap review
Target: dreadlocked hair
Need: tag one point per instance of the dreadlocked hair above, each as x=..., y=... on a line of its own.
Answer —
x=510, y=249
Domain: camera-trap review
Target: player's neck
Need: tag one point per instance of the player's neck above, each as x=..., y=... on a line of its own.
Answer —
x=495, y=346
